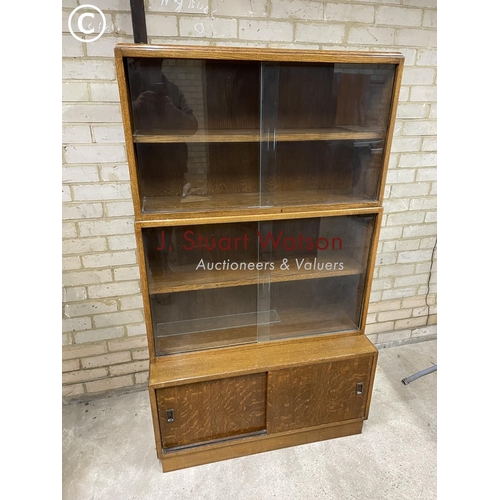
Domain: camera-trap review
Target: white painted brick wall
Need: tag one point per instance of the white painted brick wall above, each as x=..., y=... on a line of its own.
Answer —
x=111, y=191
x=87, y=69
x=75, y=91
x=178, y=6
x=119, y=208
x=349, y=13
x=96, y=113
x=76, y=134
x=113, y=289
x=162, y=26
x=104, y=345
x=397, y=16
x=104, y=92
x=275, y=31
x=126, y=273
x=416, y=37
x=114, y=173
x=97, y=335
x=329, y=34
x=106, y=46
x=109, y=259
x=296, y=9
x=108, y=133
x=371, y=35
x=203, y=27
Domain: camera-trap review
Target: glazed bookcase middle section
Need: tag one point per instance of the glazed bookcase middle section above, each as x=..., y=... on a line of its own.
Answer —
x=220, y=284
x=226, y=135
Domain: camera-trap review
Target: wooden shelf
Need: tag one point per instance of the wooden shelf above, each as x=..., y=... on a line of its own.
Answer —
x=187, y=278
x=311, y=197
x=253, y=135
x=298, y=322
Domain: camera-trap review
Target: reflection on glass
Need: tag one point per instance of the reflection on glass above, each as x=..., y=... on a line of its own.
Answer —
x=157, y=102
x=223, y=284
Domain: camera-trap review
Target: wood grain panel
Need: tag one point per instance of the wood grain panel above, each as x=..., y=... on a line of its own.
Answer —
x=257, y=54
x=319, y=394
x=232, y=103
x=232, y=94
x=306, y=96
x=303, y=167
x=212, y=410
x=233, y=168
x=353, y=96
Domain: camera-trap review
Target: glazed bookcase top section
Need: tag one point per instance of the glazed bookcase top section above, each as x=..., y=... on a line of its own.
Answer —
x=224, y=131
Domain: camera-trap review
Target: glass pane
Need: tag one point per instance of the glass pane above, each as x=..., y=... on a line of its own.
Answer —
x=201, y=294
x=319, y=275
x=221, y=135
x=196, y=130
x=328, y=125
x=265, y=275
x=224, y=284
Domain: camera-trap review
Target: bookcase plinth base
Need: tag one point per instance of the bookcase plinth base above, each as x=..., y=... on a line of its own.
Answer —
x=258, y=444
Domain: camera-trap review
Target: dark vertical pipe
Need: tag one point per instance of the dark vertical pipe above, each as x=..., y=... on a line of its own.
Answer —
x=139, y=21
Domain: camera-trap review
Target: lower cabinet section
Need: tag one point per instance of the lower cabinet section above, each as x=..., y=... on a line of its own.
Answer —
x=283, y=406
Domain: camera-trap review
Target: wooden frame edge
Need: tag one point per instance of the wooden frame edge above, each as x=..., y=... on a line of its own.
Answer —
x=371, y=269
x=256, y=54
x=372, y=382
x=261, y=216
x=156, y=421
x=390, y=130
x=126, y=113
x=143, y=275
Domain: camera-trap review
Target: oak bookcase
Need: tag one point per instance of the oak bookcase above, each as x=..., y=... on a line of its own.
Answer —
x=257, y=181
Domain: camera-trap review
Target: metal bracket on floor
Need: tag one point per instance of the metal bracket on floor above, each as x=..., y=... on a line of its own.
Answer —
x=419, y=374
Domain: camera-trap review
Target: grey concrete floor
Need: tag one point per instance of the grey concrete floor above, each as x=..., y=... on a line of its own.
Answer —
x=108, y=450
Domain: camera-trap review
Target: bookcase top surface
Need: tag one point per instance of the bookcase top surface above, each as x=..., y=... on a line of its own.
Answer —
x=257, y=54
x=254, y=358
